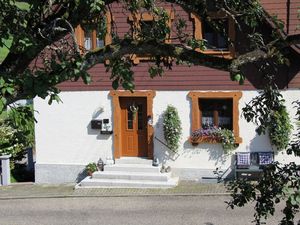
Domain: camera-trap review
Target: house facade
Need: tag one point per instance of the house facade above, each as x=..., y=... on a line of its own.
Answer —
x=94, y=121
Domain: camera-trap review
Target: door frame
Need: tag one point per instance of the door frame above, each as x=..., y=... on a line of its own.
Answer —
x=116, y=109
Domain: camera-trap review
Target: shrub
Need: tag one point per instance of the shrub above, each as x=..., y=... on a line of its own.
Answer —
x=280, y=128
x=16, y=132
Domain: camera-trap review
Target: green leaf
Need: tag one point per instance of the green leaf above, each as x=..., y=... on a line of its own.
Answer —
x=237, y=77
x=86, y=78
x=242, y=80
x=115, y=84
x=10, y=90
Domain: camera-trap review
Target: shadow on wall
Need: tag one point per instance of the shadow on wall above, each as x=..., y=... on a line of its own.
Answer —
x=161, y=151
x=260, y=143
x=215, y=151
x=283, y=77
x=96, y=132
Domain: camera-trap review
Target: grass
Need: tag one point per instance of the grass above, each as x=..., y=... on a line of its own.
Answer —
x=12, y=179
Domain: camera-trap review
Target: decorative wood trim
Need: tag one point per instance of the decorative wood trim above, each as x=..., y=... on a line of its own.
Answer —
x=108, y=35
x=198, y=35
x=235, y=96
x=117, y=141
x=135, y=18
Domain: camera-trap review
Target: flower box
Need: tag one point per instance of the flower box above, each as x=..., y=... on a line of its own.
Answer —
x=204, y=139
x=213, y=135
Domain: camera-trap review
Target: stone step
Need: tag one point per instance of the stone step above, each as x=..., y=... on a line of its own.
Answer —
x=132, y=168
x=133, y=160
x=120, y=183
x=125, y=175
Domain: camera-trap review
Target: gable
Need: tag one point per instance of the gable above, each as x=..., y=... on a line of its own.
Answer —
x=182, y=77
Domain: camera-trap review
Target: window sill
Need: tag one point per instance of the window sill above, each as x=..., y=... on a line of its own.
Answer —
x=219, y=53
x=210, y=140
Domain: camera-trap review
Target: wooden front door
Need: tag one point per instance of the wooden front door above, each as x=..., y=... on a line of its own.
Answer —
x=134, y=126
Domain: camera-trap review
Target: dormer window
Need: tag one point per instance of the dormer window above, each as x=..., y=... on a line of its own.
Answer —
x=90, y=37
x=144, y=23
x=217, y=43
x=215, y=40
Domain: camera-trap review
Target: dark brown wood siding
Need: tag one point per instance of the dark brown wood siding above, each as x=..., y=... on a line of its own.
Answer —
x=181, y=77
x=286, y=10
x=294, y=20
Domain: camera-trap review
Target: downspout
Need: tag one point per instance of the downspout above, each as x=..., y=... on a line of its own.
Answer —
x=288, y=6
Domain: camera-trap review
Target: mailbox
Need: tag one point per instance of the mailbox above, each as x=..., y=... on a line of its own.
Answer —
x=106, y=127
x=96, y=124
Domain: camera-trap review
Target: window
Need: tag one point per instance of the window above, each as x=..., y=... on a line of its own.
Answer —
x=89, y=36
x=217, y=44
x=144, y=22
x=215, y=112
x=215, y=40
x=218, y=109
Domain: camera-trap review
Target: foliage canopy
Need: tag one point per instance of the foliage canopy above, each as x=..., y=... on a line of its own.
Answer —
x=44, y=28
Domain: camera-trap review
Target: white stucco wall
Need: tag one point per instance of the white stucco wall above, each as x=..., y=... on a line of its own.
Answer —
x=63, y=132
x=64, y=136
x=210, y=156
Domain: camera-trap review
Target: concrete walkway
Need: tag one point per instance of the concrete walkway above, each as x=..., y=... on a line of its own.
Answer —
x=30, y=190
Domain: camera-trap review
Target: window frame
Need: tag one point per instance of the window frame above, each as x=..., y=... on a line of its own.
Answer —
x=198, y=34
x=196, y=112
x=79, y=33
x=135, y=19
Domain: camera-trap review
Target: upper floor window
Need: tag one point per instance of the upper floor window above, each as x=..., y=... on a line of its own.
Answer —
x=144, y=25
x=91, y=36
x=217, y=43
x=215, y=40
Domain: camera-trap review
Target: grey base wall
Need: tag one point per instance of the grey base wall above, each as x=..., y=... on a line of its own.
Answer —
x=200, y=175
x=59, y=173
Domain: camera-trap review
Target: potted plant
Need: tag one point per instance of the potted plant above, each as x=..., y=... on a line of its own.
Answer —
x=91, y=168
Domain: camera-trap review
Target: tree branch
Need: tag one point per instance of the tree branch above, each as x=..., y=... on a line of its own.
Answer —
x=178, y=52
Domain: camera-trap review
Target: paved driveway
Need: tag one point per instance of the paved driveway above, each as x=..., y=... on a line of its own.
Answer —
x=152, y=210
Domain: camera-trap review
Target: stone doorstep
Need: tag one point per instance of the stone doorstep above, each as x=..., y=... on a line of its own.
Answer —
x=132, y=168
x=129, y=172
x=127, y=175
x=121, y=183
x=133, y=160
